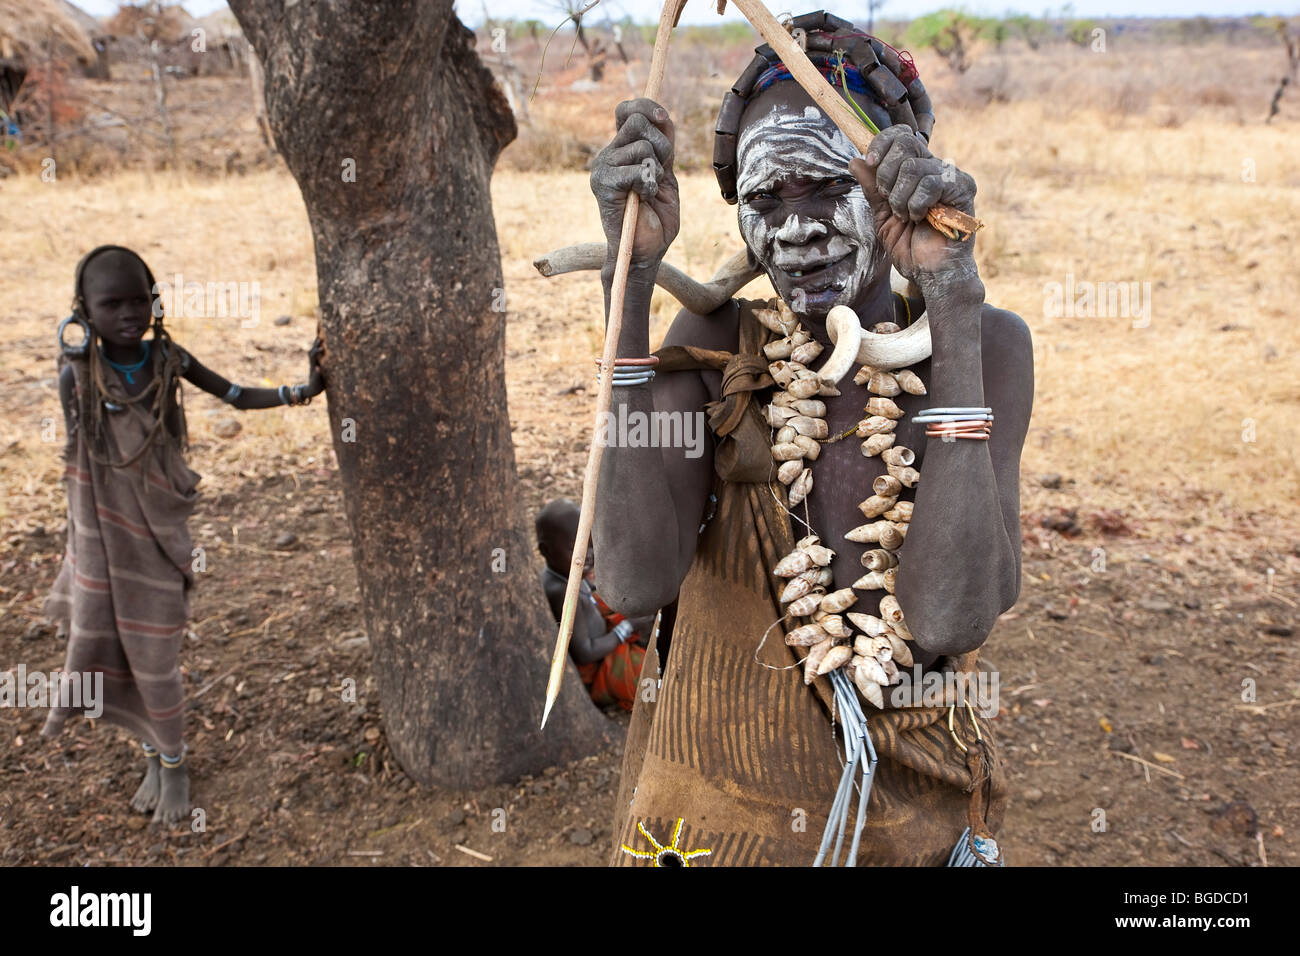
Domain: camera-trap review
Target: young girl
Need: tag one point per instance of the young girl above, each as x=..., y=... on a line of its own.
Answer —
x=122, y=595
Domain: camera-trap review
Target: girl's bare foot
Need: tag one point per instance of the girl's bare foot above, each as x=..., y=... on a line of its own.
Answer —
x=174, y=798
x=146, y=798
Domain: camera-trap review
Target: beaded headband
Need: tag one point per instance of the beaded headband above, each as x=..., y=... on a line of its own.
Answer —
x=870, y=66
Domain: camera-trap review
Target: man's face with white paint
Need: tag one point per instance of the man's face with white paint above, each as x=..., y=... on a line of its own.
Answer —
x=801, y=213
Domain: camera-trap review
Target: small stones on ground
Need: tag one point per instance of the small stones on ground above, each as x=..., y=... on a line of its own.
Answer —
x=315, y=695
x=1033, y=795
x=1155, y=606
x=1237, y=817
x=227, y=428
x=285, y=540
x=283, y=319
x=1279, y=630
x=580, y=837
x=1051, y=481
x=456, y=817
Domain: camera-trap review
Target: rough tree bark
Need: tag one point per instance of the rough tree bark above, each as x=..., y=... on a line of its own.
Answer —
x=412, y=311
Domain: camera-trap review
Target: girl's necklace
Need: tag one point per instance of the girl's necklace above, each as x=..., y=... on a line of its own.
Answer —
x=128, y=370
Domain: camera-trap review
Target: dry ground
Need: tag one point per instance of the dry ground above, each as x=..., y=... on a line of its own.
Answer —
x=1159, y=484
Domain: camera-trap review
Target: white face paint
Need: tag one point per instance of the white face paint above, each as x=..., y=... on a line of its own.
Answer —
x=782, y=146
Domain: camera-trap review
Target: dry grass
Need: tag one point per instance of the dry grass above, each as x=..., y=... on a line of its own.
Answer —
x=1134, y=416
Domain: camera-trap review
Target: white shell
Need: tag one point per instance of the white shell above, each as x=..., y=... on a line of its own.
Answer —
x=833, y=624
x=899, y=455
x=789, y=470
x=804, y=387
x=801, y=486
x=902, y=653
x=910, y=382
x=786, y=451
x=805, y=425
x=806, y=636
x=875, y=425
x=837, y=601
x=805, y=605
x=871, y=581
x=867, y=623
x=876, y=444
x=885, y=407
x=875, y=506
x=821, y=556
x=836, y=657
x=792, y=564
x=796, y=589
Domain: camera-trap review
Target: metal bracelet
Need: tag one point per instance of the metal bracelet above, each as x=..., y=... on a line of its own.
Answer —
x=640, y=377
x=969, y=410
x=939, y=419
x=232, y=394
x=285, y=398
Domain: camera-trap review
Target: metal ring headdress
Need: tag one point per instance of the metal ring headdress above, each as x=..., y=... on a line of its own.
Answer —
x=888, y=75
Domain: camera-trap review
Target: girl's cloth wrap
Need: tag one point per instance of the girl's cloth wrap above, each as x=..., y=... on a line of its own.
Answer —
x=122, y=594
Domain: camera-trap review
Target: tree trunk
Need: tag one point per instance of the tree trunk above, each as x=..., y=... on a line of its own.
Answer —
x=412, y=312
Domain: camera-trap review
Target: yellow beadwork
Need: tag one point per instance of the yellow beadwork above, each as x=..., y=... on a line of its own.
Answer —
x=659, y=849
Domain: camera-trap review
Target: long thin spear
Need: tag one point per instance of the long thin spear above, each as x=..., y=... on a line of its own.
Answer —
x=668, y=17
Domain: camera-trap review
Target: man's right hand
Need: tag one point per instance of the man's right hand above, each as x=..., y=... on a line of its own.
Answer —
x=640, y=158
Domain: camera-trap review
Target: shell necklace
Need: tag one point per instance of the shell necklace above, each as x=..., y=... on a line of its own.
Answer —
x=870, y=651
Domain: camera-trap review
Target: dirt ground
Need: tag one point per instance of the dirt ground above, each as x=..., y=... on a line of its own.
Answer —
x=1159, y=483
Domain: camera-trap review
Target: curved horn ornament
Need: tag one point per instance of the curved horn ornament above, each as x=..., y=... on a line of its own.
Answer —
x=885, y=352
x=701, y=298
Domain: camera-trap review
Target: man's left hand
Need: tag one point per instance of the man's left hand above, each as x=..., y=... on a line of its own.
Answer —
x=902, y=180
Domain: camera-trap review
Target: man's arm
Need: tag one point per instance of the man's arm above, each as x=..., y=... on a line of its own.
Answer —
x=652, y=500
x=960, y=566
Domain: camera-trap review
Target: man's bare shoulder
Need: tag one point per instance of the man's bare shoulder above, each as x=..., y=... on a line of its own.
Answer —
x=718, y=330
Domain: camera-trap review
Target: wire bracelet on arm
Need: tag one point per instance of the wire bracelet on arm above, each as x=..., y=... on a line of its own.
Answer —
x=956, y=422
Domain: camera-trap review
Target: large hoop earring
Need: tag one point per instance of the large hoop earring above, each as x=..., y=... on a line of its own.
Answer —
x=75, y=351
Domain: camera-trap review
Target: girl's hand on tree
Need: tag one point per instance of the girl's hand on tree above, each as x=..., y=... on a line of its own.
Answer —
x=902, y=180
x=316, y=374
x=639, y=158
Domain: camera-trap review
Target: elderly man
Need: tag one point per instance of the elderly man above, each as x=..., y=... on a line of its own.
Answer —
x=737, y=757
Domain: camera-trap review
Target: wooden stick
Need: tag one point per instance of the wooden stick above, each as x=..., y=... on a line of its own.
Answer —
x=945, y=219
x=672, y=9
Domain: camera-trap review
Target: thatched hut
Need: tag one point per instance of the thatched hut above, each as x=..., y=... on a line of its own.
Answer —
x=32, y=32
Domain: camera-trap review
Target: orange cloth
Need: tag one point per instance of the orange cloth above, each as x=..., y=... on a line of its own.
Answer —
x=613, y=678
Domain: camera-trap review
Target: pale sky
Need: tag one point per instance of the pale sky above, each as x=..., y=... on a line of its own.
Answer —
x=702, y=11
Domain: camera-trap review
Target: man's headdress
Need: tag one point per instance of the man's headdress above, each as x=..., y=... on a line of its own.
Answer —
x=869, y=66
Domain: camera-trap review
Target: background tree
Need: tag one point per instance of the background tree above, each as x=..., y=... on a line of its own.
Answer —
x=950, y=33
x=391, y=126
